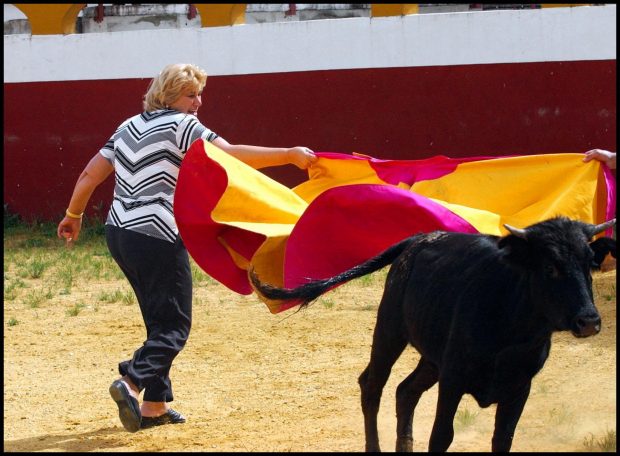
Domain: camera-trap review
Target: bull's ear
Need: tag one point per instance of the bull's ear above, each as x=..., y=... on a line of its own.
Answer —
x=601, y=247
x=517, y=250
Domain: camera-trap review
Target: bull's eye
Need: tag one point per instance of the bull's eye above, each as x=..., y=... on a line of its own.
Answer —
x=550, y=270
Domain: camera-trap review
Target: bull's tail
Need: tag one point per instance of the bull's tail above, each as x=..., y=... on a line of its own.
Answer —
x=308, y=292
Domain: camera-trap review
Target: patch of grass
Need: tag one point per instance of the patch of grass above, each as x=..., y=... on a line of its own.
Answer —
x=12, y=321
x=464, y=418
x=94, y=268
x=75, y=310
x=42, y=230
x=10, y=290
x=113, y=273
x=35, y=268
x=198, y=275
x=66, y=275
x=35, y=299
x=606, y=443
x=10, y=294
x=128, y=297
x=327, y=303
x=369, y=307
x=33, y=243
x=111, y=296
x=366, y=280
x=606, y=292
x=10, y=219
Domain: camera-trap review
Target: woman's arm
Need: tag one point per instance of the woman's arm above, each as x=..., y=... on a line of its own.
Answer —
x=95, y=172
x=261, y=157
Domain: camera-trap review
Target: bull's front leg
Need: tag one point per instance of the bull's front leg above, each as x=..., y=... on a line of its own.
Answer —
x=506, y=418
x=443, y=429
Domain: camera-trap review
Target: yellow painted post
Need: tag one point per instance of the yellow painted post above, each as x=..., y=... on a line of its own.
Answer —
x=51, y=19
x=393, y=9
x=221, y=14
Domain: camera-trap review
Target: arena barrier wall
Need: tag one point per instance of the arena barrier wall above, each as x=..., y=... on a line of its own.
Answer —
x=407, y=87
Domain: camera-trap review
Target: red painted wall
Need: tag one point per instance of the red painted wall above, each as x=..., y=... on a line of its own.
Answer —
x=51, y=129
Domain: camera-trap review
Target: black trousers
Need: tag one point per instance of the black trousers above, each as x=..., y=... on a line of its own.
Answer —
x=160, y=275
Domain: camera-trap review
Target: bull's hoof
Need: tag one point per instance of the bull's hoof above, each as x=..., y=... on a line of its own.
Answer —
x=404, y=444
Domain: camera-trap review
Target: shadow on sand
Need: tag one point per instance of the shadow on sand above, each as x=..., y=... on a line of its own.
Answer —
x=88, y=441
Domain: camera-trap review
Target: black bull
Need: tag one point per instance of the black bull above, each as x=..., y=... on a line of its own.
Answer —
x=480, y=310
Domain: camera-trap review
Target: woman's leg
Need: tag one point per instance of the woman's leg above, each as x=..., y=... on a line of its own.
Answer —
x=160, y=274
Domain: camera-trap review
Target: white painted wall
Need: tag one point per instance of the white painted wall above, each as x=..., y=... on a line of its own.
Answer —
x=504, y=36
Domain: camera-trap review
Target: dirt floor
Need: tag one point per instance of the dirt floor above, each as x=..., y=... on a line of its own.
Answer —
x=252, y=381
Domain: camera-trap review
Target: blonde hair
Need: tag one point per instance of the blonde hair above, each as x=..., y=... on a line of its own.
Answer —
x=171, y=83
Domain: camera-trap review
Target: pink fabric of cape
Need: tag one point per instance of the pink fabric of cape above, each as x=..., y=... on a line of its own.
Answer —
x=352, y=207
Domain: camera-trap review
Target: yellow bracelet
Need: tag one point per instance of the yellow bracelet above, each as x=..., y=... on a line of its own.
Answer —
x=72, y=215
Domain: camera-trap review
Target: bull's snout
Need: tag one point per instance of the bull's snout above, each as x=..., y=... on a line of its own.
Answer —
x=586, y=325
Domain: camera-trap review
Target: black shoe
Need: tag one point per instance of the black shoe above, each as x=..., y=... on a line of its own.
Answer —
x=170, y=417
x=128, y=406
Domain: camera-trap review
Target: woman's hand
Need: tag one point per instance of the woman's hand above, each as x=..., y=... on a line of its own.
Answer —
x=69, y=229
x=605, y=156
x=302, y=157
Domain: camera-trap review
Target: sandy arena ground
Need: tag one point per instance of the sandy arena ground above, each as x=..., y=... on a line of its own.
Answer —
x=252, y=381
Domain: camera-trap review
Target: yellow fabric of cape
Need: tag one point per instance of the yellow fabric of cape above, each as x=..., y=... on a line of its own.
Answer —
x=232, y=217
x=518, y=191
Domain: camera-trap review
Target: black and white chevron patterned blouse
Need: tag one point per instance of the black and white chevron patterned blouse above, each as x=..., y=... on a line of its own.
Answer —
x=146, y=151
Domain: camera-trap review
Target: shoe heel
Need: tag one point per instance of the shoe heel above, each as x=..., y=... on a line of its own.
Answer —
x=129, y=419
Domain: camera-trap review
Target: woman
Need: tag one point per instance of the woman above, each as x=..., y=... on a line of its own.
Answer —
x=145, y=154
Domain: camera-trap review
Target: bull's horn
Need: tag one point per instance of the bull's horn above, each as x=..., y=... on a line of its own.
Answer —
x=596, y=229
x=516, y=231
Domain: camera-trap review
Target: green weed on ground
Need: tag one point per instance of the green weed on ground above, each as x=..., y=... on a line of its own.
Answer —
x=40, y=270
x=464, y=418
x=606, y=443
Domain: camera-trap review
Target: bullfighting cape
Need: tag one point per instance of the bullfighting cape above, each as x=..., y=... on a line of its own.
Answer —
x=232, y=217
